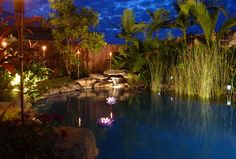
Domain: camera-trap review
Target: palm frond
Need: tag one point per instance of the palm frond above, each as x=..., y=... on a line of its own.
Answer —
x=128, y=20
x=229, y=23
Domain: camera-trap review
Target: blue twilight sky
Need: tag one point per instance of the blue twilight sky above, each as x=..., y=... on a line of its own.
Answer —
x=110, y=12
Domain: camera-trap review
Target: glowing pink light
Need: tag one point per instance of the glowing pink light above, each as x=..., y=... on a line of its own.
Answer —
x=105, y=121
x=111, y=100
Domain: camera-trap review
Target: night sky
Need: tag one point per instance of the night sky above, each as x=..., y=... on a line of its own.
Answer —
x=110, y=12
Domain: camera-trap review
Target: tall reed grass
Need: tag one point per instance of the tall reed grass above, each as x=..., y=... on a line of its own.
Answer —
x=203, y=71
x=157, y=70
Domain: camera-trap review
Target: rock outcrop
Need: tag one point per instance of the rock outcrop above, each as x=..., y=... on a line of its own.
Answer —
x=109, y=79
x=76, y=143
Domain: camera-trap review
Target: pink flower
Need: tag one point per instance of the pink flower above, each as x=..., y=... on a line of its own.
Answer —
x=105, y=121
x=111, y=100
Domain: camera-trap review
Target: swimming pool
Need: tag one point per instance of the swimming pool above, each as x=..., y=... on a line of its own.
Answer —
x=150, y=126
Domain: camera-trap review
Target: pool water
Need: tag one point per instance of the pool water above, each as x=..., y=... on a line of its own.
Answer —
x=149, y=126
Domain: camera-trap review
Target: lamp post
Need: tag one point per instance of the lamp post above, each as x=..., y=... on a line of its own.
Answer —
x=78, y=54
x=110, y=59
x=44, y=48
x=19, y=14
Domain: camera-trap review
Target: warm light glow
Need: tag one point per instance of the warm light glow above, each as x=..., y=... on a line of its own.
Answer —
x=44, y=48
x=16, y=80
x=171, y=77
x=229, y=87
x=110, y=53
x=78, y=52
x=4, y=44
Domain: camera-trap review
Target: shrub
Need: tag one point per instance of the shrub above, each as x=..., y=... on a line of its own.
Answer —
x=27, y=141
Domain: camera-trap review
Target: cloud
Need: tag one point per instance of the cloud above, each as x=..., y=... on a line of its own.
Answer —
x=110, y=11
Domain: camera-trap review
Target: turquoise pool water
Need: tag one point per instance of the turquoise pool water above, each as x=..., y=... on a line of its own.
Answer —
x=149, y=126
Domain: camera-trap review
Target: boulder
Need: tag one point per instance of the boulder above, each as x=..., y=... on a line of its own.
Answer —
x=74, y=86
x=97, y=76
x=115, y=73
x=76, y=143
x=86, y=82
x=103, y=85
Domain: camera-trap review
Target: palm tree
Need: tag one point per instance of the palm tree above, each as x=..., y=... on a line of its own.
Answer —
x=182, y=21
x=130, y=28
x=206, y=15
x=159, y=19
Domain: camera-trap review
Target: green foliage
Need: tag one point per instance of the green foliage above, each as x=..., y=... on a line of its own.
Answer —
x=160, y=19
x=33, y=75
x=5, y=85
x=203, y=72
x=71, y=30
x=130, y=28
x=50, y=84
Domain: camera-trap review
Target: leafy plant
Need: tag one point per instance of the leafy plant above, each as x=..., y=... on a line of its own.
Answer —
x=71, y=30
x=27, y=141
x=129, y=28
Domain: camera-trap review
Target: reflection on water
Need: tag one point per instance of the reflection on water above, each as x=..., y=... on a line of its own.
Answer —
x=150, y=125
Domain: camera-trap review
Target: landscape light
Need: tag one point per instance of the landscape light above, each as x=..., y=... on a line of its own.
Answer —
x=4, y=44
x=16, y=80
x=229, y=87
x=44, y=48
x=110, y=58
x=19, y=15
x=78, y=53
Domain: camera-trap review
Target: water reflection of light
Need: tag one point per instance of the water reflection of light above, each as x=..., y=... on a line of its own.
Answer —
x=228, y=102
x=79, y=122
x=111, y=115
x=105, y=121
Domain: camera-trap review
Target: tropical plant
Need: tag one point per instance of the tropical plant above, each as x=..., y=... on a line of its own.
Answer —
x=159, y=19
x=129, y=28
x=206, y=15
x=71, y=30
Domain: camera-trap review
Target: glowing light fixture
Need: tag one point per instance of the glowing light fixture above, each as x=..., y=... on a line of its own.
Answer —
x=16, y=80
x=4, y=44
x=228, y=87
x=110, y=58
x=44, y=48
x=78, y=54
x=19, y=9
